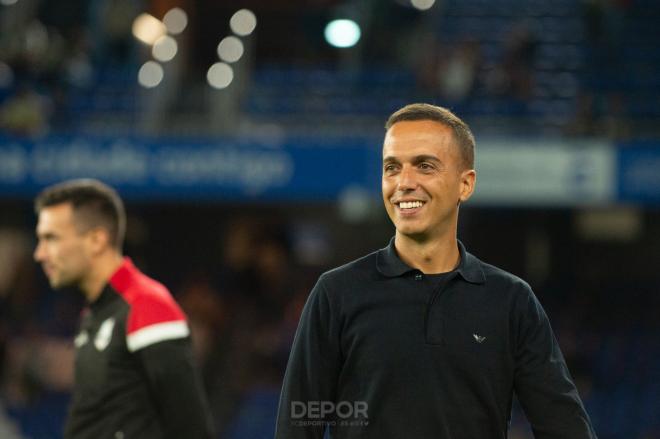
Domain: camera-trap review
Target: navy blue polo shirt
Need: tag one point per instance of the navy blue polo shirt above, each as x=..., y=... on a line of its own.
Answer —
x=385, y=351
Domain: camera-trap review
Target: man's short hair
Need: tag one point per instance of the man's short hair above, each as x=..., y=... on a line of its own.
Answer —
x=94, y=204
x=461, y=131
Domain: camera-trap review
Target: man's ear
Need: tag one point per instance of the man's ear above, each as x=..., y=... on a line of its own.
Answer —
x=98, y=239
x=468, y=181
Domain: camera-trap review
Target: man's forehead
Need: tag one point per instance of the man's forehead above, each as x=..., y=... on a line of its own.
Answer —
x=63, y=210
x=58, y=214
x=414, y=131
x=418, y=146
x=418, y=126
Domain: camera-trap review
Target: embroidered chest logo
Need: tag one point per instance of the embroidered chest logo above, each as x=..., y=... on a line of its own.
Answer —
x=478, y=338
x=104, y=335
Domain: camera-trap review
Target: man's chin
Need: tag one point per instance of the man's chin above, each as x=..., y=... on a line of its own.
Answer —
x=58, y=284
x=414, y=234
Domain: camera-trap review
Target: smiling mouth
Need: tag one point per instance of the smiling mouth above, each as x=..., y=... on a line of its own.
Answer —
x=409, y=205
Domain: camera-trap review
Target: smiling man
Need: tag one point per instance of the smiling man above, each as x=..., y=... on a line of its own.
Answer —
x=134, y=371
x=421, y=339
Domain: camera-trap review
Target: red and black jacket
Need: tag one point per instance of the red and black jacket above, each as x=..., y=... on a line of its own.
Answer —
x=135, y=375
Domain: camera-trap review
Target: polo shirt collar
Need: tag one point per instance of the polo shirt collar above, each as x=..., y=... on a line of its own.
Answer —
x=390, y=265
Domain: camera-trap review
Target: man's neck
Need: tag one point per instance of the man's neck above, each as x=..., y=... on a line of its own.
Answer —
x=102, y=270
x=430, y=256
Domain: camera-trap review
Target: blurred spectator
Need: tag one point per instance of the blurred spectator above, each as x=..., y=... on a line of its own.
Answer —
x=449, y=71
x=38, y=364
x=256, y=279
x=17, y=286
x=604, y=21
x=206, y=316
x=8, y=428
x=78, y=68
x=514, y=77
x=115, y=41
x=600, y=104
x=457, y=74
x=235, y=275
x=26, y=113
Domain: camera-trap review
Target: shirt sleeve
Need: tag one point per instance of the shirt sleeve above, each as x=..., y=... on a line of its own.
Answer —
x=542, y=381
x=159, y=337
x=176, y=389
x=312, y=371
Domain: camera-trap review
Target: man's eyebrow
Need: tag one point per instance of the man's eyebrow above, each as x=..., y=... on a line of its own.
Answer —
x=426, y=158
x=415, y=159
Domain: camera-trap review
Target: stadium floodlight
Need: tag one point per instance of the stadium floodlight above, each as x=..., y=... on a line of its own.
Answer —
x=164, y=49
x=230, y=49
x=150, y=74
x=243, y=22
x=175, y=20
x=422, y=5
x=148, y=28
x=342, y=33
x=220, y=75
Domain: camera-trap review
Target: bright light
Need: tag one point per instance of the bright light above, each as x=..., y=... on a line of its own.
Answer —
x=164, y=49
x=220, y=75
x=342, y=33
x=422, y=5
x=6, y=75
x=8, y=2
x=230, y=49
x=175, y=20
x=148, y=28
x=150, y=74
x=243, y=22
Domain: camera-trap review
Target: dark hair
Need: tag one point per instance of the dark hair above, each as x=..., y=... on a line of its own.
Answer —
x=94, y=203
x=462, y=134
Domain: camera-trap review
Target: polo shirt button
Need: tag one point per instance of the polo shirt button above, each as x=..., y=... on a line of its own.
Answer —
x=418, y=276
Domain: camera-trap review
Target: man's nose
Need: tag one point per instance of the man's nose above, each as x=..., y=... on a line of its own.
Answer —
x=407, y=179
x=38, y=254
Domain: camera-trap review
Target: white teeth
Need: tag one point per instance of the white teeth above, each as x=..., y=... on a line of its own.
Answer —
x=410, y=204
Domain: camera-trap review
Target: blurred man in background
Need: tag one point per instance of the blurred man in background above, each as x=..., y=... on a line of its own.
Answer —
x=134, y=371
x=421, y=339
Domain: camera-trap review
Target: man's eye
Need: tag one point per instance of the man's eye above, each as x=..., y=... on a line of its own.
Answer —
x=425, y=166
x=390, y=167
